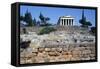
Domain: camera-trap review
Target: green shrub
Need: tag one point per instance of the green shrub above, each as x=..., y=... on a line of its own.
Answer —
x=93, y=30
x=46, y=30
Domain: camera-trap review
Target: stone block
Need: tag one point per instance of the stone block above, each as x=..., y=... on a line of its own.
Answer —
x=88, y=58
x=86, y=52
x=92, y=58
x=92, y=55
x=46, y=59
x=40, y=49
x=47, y=49
x=39, y=59
x=53, y=49
x=92, y=51
x=75, y=59
x=65, y=49
x=53, y=53
x=69, y=52
x=76, y=52
x=59, y=49
x=69, y=56
x=70, y=48
x=34, y=54
x=35, y=50
x=29, y=61
x=34, y=60
x=86, y=55
x=40, y=54
x=64, y=53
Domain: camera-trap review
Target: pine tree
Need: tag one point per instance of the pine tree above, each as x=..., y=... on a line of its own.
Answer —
x=28, y=18
x=34, y=22
x=42, y=18
x=83, y=21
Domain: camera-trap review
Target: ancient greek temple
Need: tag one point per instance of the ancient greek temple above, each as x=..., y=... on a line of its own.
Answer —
x=66, y=21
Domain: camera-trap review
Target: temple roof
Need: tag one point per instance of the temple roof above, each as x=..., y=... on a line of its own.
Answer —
x=67, y=17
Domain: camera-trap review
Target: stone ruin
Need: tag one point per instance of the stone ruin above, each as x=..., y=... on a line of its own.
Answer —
x=62, y=45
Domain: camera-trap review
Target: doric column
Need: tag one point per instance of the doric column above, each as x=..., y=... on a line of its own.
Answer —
x=62, y=22
x=71, y=22
x=66, y=22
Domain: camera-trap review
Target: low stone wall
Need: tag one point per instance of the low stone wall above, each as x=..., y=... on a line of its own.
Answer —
x=70, y=53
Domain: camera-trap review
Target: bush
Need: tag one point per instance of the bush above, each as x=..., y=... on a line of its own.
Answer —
x=93, y=30
x=25, y=44
x=46, y=30
x=24, y=30
x=47, y=24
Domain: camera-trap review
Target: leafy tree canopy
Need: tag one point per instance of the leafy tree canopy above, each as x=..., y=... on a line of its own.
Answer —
x=44, y=19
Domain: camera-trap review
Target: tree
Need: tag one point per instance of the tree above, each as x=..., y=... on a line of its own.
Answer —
x=47, y=19
x=41, y=18
x=28, y=18
x=34, y=21
x=84, y=22
x=89, y=23
x=38, y=23
x=44, y=19
x=21, y=18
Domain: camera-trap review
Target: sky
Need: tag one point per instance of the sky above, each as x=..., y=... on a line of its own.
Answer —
x=55, y=12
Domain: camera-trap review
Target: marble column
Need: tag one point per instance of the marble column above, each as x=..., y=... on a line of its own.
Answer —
x=71, y=22
x=63, y=22
x=66, y=22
